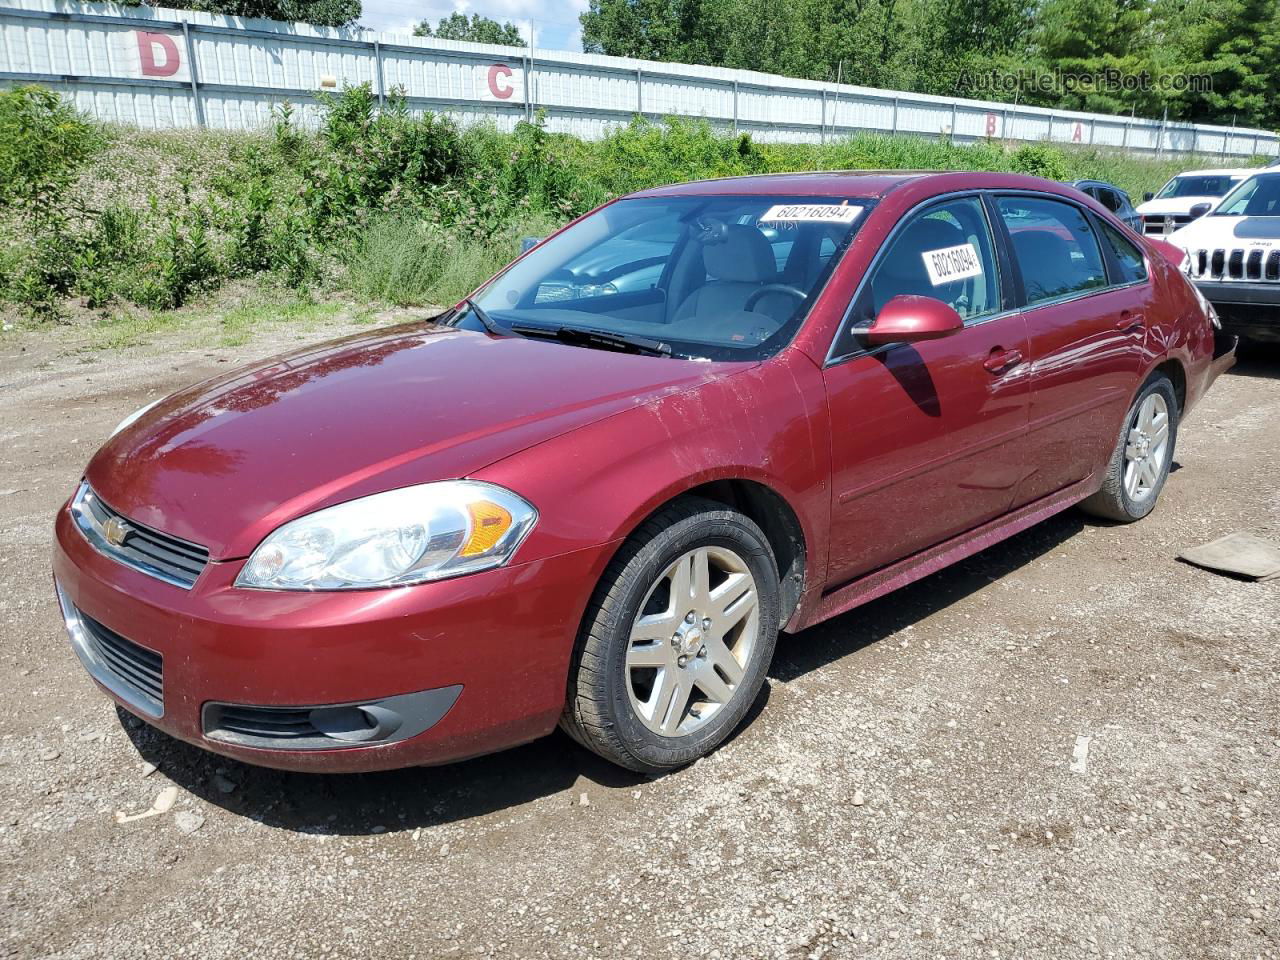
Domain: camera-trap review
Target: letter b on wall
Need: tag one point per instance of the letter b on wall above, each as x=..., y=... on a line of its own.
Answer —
x=157, y=54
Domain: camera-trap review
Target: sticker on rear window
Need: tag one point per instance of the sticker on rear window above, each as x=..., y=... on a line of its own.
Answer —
x=952, y=263
x=817, y=212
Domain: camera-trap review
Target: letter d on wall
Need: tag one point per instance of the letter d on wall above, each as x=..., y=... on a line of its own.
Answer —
x=147, y=50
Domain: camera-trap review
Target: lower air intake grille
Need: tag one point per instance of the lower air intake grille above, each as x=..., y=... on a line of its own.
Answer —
x=133, y=673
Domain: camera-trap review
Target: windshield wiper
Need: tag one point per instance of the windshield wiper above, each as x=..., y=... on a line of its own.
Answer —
x=585, y=337
x=490, y=324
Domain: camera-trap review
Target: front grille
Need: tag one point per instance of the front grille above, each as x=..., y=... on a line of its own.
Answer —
x=1156, y=226
x=1235, y=264
x=150, y=551
x=132, y=672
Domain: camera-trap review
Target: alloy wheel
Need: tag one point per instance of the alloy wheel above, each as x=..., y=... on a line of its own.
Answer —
x=692, y=641
x=1146, y=448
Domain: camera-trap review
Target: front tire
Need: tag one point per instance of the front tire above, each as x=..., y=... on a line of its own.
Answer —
x=677, y=640
x=1140, y=463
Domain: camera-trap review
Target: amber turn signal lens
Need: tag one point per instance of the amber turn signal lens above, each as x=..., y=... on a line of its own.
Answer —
x=488, y=523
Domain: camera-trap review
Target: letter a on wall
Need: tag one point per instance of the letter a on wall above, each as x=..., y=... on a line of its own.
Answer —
x=157, y=55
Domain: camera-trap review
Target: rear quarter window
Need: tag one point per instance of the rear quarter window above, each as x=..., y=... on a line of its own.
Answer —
x=1132, y=265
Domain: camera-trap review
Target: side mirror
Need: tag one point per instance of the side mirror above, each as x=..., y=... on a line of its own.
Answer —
x=1148, y=196
x=909, y=319
x=1199, y=210
x=528, y=243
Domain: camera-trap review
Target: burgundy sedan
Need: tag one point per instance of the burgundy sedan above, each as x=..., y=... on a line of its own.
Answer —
x=594, y=493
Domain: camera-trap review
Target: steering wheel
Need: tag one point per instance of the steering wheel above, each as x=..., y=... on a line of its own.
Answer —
x=774, y=288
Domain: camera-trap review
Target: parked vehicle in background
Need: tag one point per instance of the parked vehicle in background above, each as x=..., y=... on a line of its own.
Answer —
x=1169, y=207
x=560, y=504
x=1233, y=256
x=1114, y=199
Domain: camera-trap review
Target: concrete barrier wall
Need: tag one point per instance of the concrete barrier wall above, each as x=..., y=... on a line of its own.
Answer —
x=158, y=68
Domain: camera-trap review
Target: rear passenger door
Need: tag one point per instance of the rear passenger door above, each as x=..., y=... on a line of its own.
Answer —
x=1086, y=293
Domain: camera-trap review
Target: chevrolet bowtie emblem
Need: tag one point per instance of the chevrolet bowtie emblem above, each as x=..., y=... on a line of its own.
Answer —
x=116, y=530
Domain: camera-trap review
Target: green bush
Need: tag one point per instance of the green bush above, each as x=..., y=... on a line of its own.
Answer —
x=44, y=142
x=1040, y=160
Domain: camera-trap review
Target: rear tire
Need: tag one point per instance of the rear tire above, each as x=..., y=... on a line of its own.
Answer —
x=677, y=639
x=1140, y=463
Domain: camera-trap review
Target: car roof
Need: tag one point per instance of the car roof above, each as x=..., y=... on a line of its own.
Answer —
x=867, y=184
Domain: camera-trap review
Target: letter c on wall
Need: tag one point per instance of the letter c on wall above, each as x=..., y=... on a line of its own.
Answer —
x=498, y=73
x=147, y=43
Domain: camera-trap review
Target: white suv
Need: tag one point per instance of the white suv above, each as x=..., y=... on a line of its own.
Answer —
x=1170, y=207
x=1233, y=256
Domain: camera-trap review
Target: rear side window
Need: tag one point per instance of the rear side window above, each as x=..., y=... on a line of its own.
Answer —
x=1110, y=199
x=1133, y=268
x=945, y=253
x=1054, y=246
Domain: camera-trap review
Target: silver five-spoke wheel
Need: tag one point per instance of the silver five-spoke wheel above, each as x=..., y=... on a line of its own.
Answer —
x=1146, y=448
x=692, y=641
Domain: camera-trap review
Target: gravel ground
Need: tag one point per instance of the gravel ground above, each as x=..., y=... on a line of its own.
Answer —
x=905, y=789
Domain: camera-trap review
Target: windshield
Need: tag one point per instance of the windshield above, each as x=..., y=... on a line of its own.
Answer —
x=712, y=277
x=1197, y=185
x=1257, y=197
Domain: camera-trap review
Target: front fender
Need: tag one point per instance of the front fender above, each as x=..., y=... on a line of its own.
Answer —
x=767, y=423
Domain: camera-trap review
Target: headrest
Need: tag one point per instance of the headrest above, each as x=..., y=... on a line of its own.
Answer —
x=933, y=235
x=1041, y=245
x=744, y=256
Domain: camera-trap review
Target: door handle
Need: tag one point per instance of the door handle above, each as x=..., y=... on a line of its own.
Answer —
x=1000, y=360
x=1130, y=322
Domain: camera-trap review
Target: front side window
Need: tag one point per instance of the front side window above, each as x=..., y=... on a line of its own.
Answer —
x=946, y=253
x=716, y=277
x=1257, y=197
x=1129, y=259
x=1054, y=247
x=1197, y=185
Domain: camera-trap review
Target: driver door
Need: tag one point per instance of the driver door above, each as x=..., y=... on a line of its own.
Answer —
x=926, y=438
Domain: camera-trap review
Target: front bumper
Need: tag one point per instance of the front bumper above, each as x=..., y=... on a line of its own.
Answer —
x=503, y=637
x=1246, y=308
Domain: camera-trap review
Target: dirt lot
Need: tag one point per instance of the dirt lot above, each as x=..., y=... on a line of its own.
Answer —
x=904, y=790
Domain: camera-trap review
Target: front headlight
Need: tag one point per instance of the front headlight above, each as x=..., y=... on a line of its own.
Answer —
x=427, y=532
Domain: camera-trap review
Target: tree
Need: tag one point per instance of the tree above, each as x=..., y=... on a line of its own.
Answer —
x=1109, y=56
x=477, y=29
x=1092, y=41
x=1234, y=45
x=320, y=13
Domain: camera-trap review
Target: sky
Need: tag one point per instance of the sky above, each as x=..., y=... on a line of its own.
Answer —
x=554, y=22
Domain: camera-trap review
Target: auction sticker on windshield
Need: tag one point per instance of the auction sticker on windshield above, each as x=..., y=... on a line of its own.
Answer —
x=952, y=263
x=821, y=212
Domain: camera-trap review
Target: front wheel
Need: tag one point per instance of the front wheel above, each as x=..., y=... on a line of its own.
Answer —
x=677, y=640
x=1140, y=463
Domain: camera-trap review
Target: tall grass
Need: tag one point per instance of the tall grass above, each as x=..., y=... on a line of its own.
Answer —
x=408, y=261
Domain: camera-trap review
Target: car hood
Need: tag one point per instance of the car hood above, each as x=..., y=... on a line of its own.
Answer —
x=1210, y=232
x=1172, y=205
x=225, y=462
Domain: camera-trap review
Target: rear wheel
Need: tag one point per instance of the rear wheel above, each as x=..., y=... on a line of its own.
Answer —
x=1140, y=463
x=677, y=640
